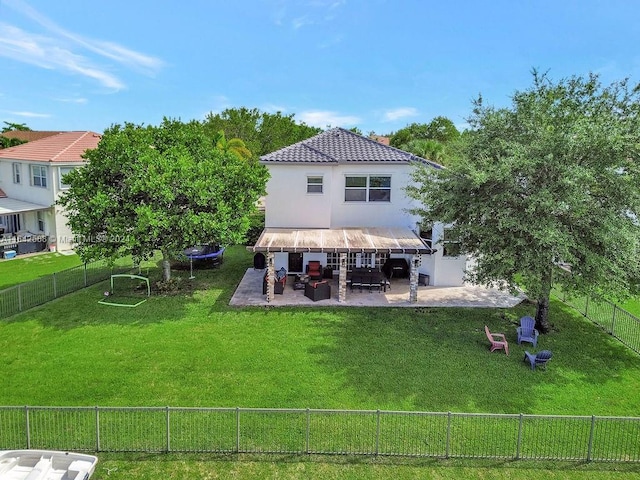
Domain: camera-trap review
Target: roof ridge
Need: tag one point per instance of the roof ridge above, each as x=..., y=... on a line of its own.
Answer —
x=81, y=137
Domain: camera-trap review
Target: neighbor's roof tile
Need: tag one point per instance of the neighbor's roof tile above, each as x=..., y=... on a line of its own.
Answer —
x=62, y=147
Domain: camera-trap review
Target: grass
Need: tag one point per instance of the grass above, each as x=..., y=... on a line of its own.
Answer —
x=24, y=269
x=193, y=349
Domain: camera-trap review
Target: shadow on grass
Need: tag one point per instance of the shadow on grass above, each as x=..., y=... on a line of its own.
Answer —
x=430, y=360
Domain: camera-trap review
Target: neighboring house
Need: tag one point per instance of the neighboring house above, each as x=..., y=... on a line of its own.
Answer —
x=29, y=135
x=340, y=198
x=31, y=179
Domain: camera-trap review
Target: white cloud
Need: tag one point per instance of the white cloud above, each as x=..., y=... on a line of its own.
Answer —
x=324, y=118
x=31, y=114
x=398, y=113
x=273, y=108
x=60, y=49
x=79, y=101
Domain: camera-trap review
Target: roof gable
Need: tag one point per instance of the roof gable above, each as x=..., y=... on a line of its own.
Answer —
x=61, y=147
x=340, y=146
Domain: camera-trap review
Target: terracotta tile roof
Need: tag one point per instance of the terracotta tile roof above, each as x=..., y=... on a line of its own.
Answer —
x=2, y=194
x=337, y=146
x=29, y=135
x=61, y=147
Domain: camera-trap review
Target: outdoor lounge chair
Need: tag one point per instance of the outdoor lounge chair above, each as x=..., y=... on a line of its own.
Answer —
x=541, y=358
x=314, y=270
x=501, y=343
x=317, y=290
x=527, y=332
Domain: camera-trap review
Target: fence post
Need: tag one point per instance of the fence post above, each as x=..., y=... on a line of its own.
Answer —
x=20, y=297
x=26, y=412
x=85, y=274
x=237, y=429
x=55, y=286
x=586, y=306
x=613, y=320
x=593, y=424
x=308, y=430
x=377, y=432
x=446, y=454
x=168, y=430
x=519, y=442
x=97, y=429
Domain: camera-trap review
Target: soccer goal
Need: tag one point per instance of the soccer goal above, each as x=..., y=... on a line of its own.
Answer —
x=127, y=290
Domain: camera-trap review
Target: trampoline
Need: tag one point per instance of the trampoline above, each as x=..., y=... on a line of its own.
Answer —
x=204, y=253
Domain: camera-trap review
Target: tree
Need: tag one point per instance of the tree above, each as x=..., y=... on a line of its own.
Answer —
x=15, y=126
x=434, y=141
x=12, y=142
x=261, y=132
x=552, y=179
x=160, y=188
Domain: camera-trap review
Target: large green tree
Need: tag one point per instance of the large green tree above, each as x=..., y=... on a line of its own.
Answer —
x=553, y=179
x=261, y=132
x=161, y=188
x=434, y=141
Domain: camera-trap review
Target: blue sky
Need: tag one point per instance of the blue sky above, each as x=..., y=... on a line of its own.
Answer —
x=374, y=64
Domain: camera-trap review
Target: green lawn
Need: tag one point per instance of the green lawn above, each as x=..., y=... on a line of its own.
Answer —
x=24, y=269
x=193, y=349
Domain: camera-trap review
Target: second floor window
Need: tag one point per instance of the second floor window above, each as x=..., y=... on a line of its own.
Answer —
x=17, y=173
x=38, y=176
x=63, y=172
x=314, y=184
x=367, y=188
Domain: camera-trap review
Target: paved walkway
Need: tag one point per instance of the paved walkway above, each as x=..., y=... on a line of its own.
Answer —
x=249, y=292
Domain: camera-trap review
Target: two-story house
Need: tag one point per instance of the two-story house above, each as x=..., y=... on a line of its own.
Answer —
x=339, y=198
x=31, y=179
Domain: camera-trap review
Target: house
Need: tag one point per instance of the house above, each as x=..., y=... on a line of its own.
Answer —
x=31, y=179
x=339, y=198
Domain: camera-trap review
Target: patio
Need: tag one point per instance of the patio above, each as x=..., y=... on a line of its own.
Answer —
x=249, y=293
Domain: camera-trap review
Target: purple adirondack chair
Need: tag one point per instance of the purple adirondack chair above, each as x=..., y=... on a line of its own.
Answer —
x=527, y=331
x=541, y=358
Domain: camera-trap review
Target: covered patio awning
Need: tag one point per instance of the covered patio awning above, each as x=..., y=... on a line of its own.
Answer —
x=339, y=240
x=10, y=206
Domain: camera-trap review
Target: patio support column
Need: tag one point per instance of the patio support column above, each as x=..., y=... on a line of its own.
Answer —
x=342, y=279
x=413, y=279
x=271, y=277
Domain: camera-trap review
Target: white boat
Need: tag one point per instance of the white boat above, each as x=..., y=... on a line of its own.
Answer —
x=45, y=465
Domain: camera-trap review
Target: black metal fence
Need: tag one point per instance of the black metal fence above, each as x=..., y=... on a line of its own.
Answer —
x=308, y=431
x=611, y=318
x=42, y=290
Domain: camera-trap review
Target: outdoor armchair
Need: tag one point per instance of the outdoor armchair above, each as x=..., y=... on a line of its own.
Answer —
x=498, y=341
x=317, y=290
x=541, y=358
x=527, y=332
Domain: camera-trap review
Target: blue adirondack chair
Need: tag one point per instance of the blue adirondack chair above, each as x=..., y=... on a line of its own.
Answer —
x=527, y=332
x=541, y=358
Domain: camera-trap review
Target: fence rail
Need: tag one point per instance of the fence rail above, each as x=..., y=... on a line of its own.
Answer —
x=611, y=318
x=307, y=431
x=27, y=295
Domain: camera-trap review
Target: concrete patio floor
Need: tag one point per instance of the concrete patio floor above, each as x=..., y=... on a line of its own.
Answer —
x=249, y=293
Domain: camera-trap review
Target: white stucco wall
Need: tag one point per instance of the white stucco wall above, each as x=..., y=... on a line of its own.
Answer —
x=288, y=204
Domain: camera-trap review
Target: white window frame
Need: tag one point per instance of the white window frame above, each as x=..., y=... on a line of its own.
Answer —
x=313, y=184
x=40, y=216
x=367, y=188
x=41, y=179
x=62, y=173
x=17, y=172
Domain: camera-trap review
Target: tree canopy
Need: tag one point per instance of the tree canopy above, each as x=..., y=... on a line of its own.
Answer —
x=161, y=188
x=554, y=179
x=428, y=140
x=261, y=132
